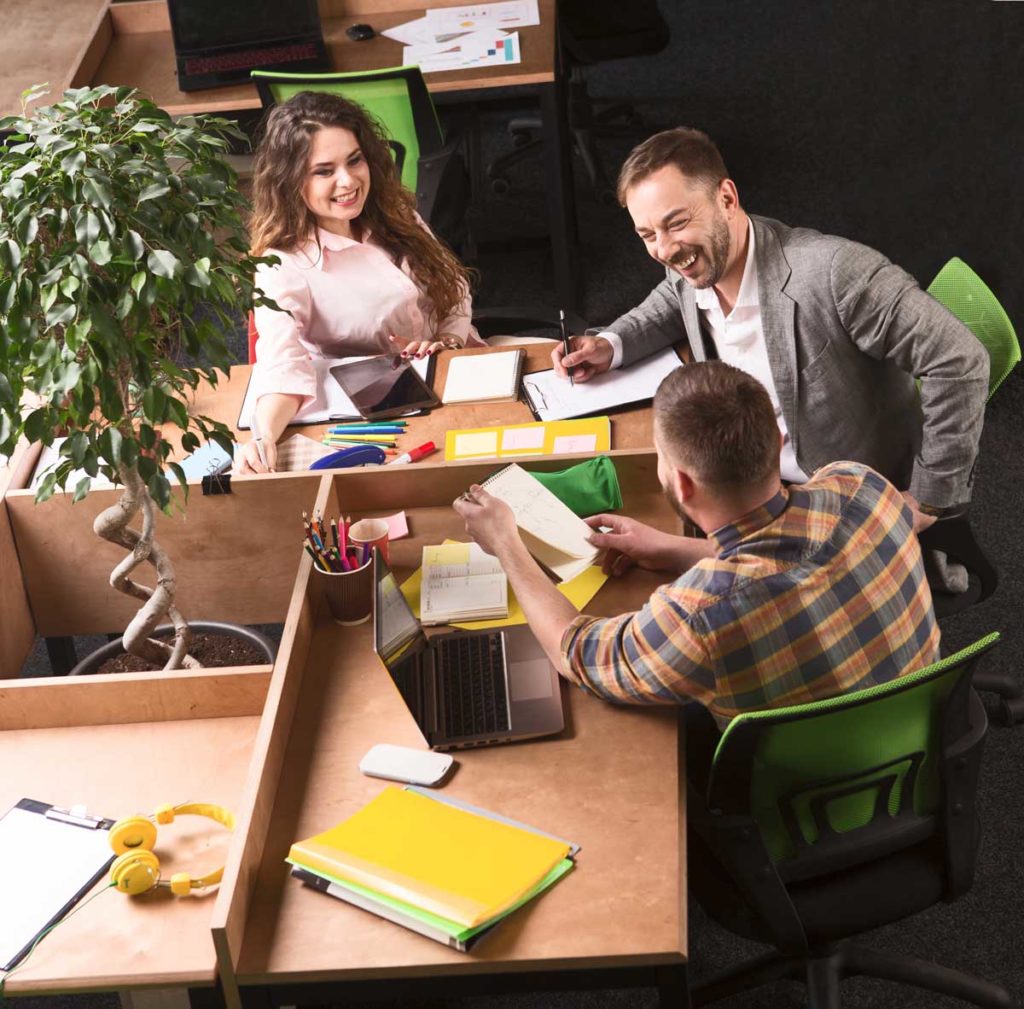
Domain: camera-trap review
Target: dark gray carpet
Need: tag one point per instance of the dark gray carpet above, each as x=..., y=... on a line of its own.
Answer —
x=898, y=125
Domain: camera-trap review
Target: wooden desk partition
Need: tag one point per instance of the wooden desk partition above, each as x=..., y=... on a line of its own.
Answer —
x=612, y=782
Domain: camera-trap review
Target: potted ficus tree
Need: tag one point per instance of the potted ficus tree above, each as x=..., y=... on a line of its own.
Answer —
x=123, y=262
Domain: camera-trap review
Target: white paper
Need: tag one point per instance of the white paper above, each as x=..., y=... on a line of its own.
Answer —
x=522, y=438
x=490, y=48
x=411, y=33
x=508, y=14
x=66, y=857
x=482, y=377
x=554, y=398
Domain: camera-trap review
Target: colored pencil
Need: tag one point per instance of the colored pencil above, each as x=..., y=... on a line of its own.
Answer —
x=371, y=423
x=368, y=429
x=357, y=438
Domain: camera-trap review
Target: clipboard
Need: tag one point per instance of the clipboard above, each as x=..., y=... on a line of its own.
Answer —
x=51, y=858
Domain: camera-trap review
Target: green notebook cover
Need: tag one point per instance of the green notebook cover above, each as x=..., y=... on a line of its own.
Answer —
x=452, y=928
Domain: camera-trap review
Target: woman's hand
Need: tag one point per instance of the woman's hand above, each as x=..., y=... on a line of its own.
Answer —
x=408, y=349
x=249, y=460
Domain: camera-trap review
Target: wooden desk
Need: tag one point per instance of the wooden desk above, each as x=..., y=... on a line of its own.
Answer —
x=612, y=782
x=96, y=42
x=632, y=427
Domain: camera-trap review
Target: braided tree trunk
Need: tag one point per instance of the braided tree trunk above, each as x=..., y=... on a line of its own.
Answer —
x=112, y=525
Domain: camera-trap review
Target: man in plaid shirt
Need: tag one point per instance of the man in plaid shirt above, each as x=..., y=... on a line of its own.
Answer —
x=797, y=594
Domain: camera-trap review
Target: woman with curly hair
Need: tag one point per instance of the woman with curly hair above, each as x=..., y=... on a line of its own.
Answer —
x=359, y=271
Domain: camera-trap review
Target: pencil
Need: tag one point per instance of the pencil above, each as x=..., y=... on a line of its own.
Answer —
x=371, y=423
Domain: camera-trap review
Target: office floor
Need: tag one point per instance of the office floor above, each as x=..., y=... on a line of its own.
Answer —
x=811, y=138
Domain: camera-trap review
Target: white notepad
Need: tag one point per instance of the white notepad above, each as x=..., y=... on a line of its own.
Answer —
x=461, y=582
x=553, y=398
x=484, y=378
x=553, y=534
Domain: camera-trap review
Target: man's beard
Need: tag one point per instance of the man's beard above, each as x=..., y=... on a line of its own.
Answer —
x=676, y=505
x=717, y=260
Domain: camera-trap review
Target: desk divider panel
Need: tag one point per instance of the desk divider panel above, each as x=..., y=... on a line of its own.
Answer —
x=257, y=807
x=17, y=628
x=231, y=561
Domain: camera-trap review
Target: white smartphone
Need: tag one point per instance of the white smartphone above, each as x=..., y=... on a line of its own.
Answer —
x=402, y=763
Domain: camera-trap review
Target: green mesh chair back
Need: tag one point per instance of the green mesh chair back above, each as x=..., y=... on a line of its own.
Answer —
x=857, y=772
x=396, y=96
x=967, y=296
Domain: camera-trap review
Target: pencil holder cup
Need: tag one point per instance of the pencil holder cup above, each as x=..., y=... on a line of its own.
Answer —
x=370, y=533
x=349, y=593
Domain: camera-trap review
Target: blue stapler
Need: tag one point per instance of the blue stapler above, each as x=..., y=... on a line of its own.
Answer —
x=356, y=455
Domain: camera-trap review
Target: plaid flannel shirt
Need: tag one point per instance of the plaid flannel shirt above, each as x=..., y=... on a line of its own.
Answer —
x=818, y=592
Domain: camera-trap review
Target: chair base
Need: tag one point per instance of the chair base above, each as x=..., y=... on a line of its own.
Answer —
x=822, y=970
x=1006, y=687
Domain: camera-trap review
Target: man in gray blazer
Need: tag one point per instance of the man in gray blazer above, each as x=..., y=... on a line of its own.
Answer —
x=838, y=335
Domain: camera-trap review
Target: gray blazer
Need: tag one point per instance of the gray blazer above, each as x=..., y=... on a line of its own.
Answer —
x=847, y=335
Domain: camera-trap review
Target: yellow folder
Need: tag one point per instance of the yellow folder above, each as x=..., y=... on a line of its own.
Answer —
x=435, y=856
x=556, y=437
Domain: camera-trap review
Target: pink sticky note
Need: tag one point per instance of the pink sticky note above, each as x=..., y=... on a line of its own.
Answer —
x=398, y=526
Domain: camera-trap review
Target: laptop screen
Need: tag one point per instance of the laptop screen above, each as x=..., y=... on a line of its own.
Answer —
x=202, y=25
x=398, y=639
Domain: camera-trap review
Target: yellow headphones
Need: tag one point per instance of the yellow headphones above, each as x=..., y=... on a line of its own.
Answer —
x=137, y=869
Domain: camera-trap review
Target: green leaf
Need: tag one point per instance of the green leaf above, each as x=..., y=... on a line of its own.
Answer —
x=74, y=448
x=163, y=263
x=69, y=285
x=153, y=192
x=100, y=252
x=87, y=228
x=198, y=274
x=139, y=281
x=96, y=193
x=72, y=163
x=61, y=313
x=10, y=255
x=81, y=489
x=159, y=490
x=36, y=425
x=110, y=446
x=28, y=229
x=48, y=297
x=46, y=488
x=124, y=305
x=134, y=245
x=147, y=436
x=90, y=463
x=177, y=412
x=180, y=474
x=129, y=452
x=189, y=441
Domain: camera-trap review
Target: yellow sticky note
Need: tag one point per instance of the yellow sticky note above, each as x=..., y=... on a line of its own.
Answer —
x=476, y=443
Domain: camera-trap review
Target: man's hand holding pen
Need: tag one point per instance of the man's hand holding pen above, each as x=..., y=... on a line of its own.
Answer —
x=586, y=356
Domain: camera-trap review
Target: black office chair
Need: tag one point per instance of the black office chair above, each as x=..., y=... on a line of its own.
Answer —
x=591, y=32
x=825, y=820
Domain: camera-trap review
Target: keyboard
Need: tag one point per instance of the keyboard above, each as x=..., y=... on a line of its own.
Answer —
x=247, y=59
x=471, y=671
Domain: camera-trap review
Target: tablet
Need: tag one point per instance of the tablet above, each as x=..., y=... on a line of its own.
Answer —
x=382, y=387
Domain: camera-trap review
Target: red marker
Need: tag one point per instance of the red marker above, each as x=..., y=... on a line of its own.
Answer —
x=414, y=455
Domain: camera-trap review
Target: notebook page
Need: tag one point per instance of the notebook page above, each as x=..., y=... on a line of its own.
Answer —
x=554, y=398
x=459, y=579
x=482, y=377
x=541, y=514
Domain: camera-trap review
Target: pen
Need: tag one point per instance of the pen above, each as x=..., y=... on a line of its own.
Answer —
x=414, y=455
x=565, y=340
x=258, y=438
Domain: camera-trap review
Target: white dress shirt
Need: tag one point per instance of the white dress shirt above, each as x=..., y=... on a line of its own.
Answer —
x=739, y=341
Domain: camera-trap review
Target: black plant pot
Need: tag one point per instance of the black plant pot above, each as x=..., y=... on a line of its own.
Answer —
x=91, y=663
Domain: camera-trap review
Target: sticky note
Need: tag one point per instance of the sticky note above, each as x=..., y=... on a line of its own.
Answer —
x=398, y=526
x=575, y=443
x=482, y=443
x=514, y=438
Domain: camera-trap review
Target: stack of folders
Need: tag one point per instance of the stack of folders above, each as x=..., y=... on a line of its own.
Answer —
x=442, y=868
x=461, y=582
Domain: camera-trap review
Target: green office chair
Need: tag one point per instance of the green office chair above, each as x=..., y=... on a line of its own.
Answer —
x=967, y=296
x=824, y=820
x=430, y=165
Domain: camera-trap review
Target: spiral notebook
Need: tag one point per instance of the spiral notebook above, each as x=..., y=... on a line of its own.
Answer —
x=484, y=378
x=556, y=537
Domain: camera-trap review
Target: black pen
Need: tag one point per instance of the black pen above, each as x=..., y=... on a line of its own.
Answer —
x=565, y=340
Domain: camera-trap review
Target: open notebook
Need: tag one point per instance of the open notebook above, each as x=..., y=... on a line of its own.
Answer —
x=554, y=535
x=461, y=582
x=331, y=403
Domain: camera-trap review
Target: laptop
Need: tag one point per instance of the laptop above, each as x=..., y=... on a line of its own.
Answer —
x=464, y=688
x=221, y=41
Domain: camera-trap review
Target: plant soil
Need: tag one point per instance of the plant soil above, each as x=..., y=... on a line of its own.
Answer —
x=211, y=650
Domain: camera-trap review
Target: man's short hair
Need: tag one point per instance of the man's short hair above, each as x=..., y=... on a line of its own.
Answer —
x=720, y=423
x=694, y=153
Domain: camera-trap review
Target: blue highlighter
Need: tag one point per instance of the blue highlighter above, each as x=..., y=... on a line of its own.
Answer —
x=356, y=455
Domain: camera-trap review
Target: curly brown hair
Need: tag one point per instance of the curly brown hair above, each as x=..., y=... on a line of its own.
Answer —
x=281, y=219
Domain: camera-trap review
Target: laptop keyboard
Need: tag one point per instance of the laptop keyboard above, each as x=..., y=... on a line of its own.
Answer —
x=471, y=670
x=249, y=58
